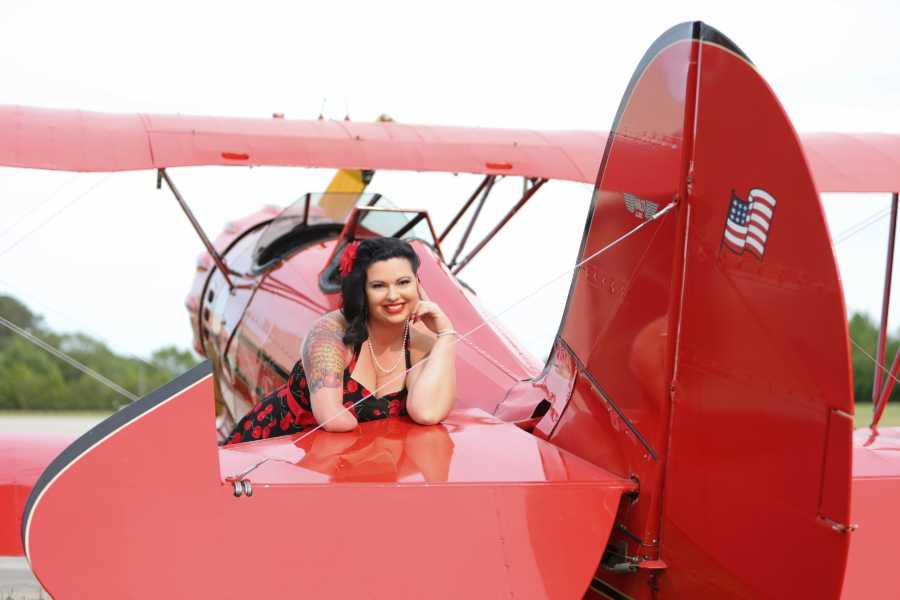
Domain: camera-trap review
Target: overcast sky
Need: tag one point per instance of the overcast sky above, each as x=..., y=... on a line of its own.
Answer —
x=110, y=255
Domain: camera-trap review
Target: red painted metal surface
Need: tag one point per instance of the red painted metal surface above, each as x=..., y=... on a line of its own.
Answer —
x=615, y=325
x=759, y=448
x=711, y=387
x=854, y=162
x=720, y=380
x=22, y=459
x=471, y=508
x=871, y=567
x=87, y=141
x=75, y=140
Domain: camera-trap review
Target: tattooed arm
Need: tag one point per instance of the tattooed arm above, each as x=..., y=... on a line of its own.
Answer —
x=324, y=359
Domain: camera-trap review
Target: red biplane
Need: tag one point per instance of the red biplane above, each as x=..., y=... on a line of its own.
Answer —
x=690, y=435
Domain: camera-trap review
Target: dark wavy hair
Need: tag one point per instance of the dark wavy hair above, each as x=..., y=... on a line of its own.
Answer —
x=353, y=285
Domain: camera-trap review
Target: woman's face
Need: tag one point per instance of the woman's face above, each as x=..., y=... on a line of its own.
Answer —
x=391, y=290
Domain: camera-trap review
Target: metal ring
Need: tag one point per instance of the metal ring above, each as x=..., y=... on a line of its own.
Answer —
x=248, y=489
x=238, y=488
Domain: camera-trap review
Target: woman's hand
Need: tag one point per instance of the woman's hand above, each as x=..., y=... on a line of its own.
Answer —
x=430, y=314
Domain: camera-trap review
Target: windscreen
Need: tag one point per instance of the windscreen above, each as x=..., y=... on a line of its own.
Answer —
x=394, y=223
x=306, y=221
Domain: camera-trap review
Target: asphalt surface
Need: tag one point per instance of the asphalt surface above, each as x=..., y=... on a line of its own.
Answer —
x=16, y=580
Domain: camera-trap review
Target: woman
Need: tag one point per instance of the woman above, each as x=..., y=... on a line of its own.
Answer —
x=372, y=346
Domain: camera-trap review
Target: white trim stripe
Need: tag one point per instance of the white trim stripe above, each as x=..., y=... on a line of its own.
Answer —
x=759, y=220
x=738, y=229
x=756, y=245
x=762, y=208
x=739, y=242
x=758, y=194
x=759, y=233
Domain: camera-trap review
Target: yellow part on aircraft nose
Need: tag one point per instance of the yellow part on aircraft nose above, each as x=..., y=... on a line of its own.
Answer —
x=343, y=192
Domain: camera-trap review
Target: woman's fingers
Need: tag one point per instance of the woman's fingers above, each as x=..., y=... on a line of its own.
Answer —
x=422, y=294
x=431, y=315
x=423, y=308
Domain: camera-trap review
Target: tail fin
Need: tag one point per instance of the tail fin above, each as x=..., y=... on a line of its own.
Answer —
x=711, y=343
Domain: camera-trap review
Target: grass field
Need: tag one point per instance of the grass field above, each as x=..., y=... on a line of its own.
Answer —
x=863, y=415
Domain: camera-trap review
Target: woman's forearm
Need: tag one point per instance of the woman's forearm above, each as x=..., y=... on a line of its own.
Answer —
x=435, y=389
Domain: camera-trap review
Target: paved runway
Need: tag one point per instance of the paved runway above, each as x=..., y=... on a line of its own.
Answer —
x=16, y=580
x=11, y=422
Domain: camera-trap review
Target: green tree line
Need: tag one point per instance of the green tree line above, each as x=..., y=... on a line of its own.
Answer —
x=864, y=332
x=33, y=379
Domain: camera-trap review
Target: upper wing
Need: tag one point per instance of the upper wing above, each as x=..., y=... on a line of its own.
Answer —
x=853, y=162
x=75, y=140
x=72, y=140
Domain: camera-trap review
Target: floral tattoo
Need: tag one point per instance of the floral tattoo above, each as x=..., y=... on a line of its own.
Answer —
x=323, y=354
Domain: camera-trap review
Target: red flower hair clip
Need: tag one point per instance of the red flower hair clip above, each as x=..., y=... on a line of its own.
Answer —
x=348, y=258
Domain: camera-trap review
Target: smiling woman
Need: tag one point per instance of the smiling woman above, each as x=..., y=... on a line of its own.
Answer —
x=337, y=383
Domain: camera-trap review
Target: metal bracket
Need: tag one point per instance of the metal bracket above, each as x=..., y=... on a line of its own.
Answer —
x=242, y=487
x=839, y=527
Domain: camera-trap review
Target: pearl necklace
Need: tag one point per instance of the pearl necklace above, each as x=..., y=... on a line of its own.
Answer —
x=403, y=347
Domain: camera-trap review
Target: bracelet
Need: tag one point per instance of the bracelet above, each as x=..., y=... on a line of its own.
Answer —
x=446, y=332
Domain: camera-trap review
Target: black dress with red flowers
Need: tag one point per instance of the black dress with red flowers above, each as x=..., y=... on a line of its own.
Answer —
x=287, y=409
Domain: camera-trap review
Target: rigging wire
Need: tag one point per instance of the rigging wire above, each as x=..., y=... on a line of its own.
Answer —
x=858, y=227
x=31, y=337
x=68, y=359
x=73, y=321
x=39, y=206
x=843, y=236
x=846, y=235
x=494, y=317
x=54, y=215
x=874, y=360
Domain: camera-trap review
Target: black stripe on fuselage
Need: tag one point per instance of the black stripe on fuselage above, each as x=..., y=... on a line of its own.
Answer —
x=115, y=421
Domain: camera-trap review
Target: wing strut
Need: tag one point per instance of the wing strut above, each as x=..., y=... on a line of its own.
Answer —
x=885, y=301
x=466, y=206
x=525, y=197
x=881, y=394
x=162, y=175
x=487, y=186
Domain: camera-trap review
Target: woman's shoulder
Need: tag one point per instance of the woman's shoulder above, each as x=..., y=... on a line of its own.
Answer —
x=333, y=320
x=421, y=340
x=326, y=331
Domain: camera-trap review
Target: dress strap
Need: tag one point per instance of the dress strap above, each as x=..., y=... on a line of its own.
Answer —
x=408, y=359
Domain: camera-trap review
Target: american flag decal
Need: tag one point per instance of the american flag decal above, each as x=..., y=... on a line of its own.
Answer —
x=747, y=227
x=642, y=209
